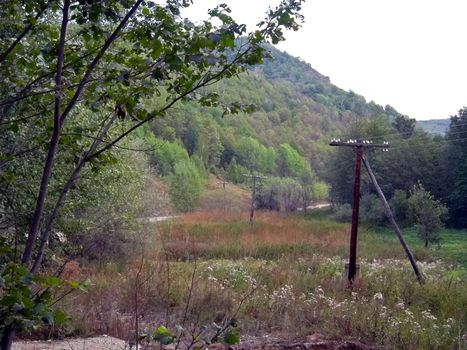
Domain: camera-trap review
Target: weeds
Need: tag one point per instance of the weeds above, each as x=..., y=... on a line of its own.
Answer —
x=284, y=274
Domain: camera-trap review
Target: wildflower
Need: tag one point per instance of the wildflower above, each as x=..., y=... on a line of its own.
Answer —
x=400, y=305
x=319, y=290
x=212, y=279
x=427, y=315
x=378, y=298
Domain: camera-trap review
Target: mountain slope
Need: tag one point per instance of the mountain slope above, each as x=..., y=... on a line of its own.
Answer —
x=435, y=126
x=295, y=105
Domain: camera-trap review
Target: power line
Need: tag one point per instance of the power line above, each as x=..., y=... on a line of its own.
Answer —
x=429, y=144
x=396, y=133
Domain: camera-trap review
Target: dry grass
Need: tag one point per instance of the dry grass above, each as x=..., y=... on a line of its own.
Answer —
x=227, y=235
x=233, y=200
x=295, y=267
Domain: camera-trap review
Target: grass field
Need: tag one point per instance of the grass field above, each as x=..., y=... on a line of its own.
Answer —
x=284, y=274
x=453, y=248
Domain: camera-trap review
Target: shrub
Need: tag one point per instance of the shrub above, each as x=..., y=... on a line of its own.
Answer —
x=399, y=205
x=343, y=212
x=427, y=214
x=372, y=210
x=185, y=186
x=235, y=172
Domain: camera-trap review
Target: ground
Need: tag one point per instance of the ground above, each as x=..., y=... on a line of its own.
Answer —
x=312, y=342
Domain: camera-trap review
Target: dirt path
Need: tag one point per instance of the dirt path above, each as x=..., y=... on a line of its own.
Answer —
x=313, y=342
x=95, y=343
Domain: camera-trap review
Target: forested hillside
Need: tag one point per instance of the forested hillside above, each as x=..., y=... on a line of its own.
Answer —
x=295, y=113
x=293, y=103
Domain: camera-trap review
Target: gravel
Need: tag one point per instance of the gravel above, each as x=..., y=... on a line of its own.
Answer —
x=95, y=343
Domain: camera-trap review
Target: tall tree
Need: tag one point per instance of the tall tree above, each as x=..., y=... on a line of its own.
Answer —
x=454, y=169
x=427, y=213
x=404, y=125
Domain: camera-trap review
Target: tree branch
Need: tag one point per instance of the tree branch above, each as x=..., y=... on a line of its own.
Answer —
x=97, y=59
x=26, y=30
x=203, y=82
x=59, y=203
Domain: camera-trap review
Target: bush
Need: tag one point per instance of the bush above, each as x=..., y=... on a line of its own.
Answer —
x=342, y=213
x=280, y=194
x=372, y=210
x=235, y=172
x=427, y=214
x=399, y=205
x=185, y=186
x=319, y=191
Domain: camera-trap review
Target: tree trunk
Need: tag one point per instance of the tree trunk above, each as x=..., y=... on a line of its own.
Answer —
x=7, y=338
x=47, y=172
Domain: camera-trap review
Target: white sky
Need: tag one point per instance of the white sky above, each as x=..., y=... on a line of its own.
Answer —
x=411, y=54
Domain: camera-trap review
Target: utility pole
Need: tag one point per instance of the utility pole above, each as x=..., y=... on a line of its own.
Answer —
x=359, y=146
x=223, y=182
x=253, y=194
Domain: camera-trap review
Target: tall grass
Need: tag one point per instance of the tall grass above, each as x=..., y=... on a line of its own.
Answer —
x=294, y=265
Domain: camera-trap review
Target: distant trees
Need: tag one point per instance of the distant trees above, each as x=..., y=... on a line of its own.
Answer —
x=404, y=125
x=289, y=161
x=454, y=170
x=278, y=193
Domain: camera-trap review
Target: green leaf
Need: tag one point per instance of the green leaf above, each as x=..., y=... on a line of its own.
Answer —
x=157, y=48
x=52, y=281
x=60, y=317
x=232, y=337
x=48, y=318
x=27, y=279
x=163, y=336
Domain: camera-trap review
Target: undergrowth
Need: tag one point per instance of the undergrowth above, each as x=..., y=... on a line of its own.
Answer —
x=284, y=274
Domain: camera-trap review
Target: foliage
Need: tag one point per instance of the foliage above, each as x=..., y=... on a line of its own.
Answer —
x=427, y=214
x=289, y=161
x=185, y=186
x=454, y=170
x=285, y=194
x=167, y=155
x=399, y=205
x=372, y=210
x=235, y=172
x=404, y=125
x=319, y=191
x=27, y=300
x=342, y=212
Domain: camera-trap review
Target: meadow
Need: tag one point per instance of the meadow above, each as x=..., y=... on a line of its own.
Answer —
x=283, y=275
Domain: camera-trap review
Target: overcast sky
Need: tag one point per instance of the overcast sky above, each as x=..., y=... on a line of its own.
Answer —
x=411, y=54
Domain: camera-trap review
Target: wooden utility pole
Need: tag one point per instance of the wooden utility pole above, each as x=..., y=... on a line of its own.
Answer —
x=390, y=216
x=359, y=146
x=223, y=183
x=253, y=194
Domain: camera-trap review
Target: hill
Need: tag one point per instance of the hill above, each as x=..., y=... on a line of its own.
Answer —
x=435, y=126
x=294, y=105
